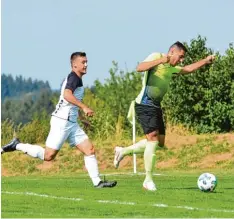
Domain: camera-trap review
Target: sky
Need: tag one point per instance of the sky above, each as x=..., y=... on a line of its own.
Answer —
x=38, y=36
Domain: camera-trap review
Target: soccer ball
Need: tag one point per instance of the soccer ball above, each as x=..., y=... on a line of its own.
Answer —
x=207, y=182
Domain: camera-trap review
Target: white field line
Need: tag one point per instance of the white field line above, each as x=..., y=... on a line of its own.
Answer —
x=115, y=202
x=41, y=195
x=129, y=174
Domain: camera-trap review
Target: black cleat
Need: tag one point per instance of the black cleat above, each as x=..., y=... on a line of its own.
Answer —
x=11, y=146
x=105, y=184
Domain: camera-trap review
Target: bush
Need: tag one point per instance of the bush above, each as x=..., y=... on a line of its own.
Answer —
x=32, y=132
x=203, y=100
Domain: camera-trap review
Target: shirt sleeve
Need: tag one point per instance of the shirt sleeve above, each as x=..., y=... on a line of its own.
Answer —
x=176, y=69
x=73, y=81
x=152, y=57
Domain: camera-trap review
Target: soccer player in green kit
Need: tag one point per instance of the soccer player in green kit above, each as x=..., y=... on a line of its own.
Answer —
x=158, y=70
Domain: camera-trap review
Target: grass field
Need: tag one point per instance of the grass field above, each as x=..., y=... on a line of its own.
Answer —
x=74, y=197
x=60, y=189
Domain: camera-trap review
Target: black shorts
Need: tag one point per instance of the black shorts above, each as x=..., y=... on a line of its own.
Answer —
x=150, y=118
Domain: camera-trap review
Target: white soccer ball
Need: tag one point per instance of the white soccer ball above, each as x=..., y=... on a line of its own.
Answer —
x=207, y=182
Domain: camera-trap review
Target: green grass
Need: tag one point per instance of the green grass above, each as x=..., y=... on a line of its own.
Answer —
x=177, y=196
x=52, y=190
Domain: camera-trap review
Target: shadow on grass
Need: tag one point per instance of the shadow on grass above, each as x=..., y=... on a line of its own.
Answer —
x=196, y=189
x=182, y=188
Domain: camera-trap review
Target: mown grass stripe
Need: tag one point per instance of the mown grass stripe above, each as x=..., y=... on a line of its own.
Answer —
x=159, y=205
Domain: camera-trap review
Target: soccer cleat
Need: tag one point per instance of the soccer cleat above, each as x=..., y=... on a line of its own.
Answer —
x=106, y=184
x=118, y=156
x=11, y=146
x=149, y=186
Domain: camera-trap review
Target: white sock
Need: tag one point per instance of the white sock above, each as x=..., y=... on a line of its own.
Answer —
x=92, y=168
x=149, y=159
x=137, y=148
x=32, y=150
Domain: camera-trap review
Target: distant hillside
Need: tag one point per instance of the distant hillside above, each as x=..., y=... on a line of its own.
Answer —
x=23, y=98
x=15, y=87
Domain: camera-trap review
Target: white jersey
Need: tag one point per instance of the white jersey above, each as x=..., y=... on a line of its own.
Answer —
x=64, y=109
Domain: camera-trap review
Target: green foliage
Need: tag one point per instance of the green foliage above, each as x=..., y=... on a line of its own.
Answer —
x=204, y=99
x=7, y=131
x=37, y=130
x=21, y=110
x=111, y=102
x=32, y=132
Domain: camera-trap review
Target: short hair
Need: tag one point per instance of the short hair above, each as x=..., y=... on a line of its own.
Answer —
x=74, y=55
x=179, y=45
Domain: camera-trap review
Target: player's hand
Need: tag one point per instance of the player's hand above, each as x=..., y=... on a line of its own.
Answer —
x=210, y=59
x=87, y=111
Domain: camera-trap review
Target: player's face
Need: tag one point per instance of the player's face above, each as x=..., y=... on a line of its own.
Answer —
x=177, y=56
x=81, y=64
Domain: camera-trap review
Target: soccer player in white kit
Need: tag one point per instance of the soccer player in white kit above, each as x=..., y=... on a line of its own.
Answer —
x=64, y=126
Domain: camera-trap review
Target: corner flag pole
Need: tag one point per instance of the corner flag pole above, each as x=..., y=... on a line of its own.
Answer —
x=134, y=140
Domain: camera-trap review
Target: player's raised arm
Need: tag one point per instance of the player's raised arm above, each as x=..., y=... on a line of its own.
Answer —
x=147, y=65
x=195, y=66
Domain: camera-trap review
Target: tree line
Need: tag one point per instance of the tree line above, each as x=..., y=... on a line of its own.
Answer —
x=16, y=87
x=22, y=98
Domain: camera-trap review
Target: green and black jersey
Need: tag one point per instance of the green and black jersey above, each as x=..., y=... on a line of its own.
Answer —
x=156, y=81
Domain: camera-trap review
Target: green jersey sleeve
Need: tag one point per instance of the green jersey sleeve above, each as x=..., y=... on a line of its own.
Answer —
x=176, y=69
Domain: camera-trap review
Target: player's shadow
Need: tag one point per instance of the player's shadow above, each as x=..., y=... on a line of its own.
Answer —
x=182, y=188
x=196, y=189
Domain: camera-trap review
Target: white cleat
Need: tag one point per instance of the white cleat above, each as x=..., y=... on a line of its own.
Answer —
x=118, y=156
x=149, y=186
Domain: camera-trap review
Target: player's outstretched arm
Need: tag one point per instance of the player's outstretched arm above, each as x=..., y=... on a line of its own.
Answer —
x=195, y=66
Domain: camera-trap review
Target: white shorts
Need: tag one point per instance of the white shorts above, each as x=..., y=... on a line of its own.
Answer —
x=62, y=130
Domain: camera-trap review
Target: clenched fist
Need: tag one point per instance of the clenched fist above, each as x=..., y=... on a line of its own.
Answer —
x=88, y=111
x=210, y=59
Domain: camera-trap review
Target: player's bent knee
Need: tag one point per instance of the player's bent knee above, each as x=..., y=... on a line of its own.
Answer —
x=86, y=147
x=89, y=151
x=153, y=136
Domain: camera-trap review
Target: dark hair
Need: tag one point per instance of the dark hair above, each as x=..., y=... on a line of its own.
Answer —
x=179, y=45
x=76, y=54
